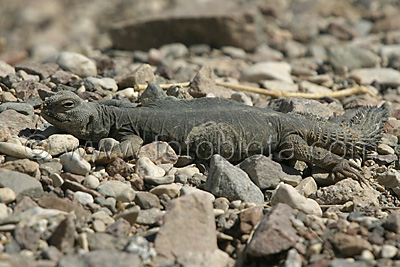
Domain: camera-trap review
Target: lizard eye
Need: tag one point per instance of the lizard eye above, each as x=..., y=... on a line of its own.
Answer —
x=68, y=104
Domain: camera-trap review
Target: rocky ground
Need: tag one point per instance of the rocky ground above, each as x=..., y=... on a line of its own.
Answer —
x=60, y=208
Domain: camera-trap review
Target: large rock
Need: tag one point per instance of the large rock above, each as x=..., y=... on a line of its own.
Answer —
x=217, y=23
x=189, y=226
x=22, y=184
x=352, y=57
x=16, y=121
x=226, y=180
x=76, y=63
x=276, y=225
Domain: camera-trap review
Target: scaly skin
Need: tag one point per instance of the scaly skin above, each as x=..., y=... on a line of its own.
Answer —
x=231, y=129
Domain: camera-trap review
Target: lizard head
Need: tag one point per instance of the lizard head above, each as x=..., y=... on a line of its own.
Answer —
x=69, y=112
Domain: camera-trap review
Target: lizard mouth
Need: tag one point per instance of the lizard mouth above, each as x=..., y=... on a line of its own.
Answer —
x=51, y=117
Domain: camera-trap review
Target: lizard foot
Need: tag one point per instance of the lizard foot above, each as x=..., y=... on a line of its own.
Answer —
x=346, y=168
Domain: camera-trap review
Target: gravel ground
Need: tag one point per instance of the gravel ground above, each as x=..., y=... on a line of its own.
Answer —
x=58, y=207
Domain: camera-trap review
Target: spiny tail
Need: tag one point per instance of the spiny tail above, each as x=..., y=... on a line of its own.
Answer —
x=362, y=132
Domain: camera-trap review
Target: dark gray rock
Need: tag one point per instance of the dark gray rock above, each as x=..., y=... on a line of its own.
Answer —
x=276, y=225
x=226, y=180
x=265, y=172
x=393, y=222
x=147, y=200
x=152, y=93
x=22, y=184
x=22, y=108
x=219, y=23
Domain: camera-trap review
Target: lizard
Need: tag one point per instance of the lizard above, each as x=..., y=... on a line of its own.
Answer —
x=207, y=126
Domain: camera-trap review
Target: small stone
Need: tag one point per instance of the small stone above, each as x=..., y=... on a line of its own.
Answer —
x=388, y=251
x=76, y=63
x=167, y=179
x=142, y=75
x=158, y=152
x=7, y=195
x=74, y=163
x=250, y=218
x=16, y=121
x=145, y=167
x=268, y=71
x=192, y=217
x=119, y=166
x=99, y=226
x=186, y=190
x=352, y=57
x=140, y=246
x=5, y=69
x=383, y=76
x=393, y=222
x=83, y=198
x=57, y=144
x=8, y=97
x=147, y=200
x=174, y=50
x=349, y=245
x=121, y=191
x=290, y=196
x=221, y=203
x=307, y=187
x=22, y=184
x=103, y=83
x=119, y=228
x=275, y=85
x=231, y=182
x=129, y=93
x=3, y=211
x=57, y=179
x=242, y=98
x=22, y=108
x=171, y=190
x=384, y=149
x=91, y=181
x=149, y=216
x=63, y=236
x=278, y=224
x=312, y=88
x=16, y=150
x=130, y=214
x=22, y=165
x=234, y=52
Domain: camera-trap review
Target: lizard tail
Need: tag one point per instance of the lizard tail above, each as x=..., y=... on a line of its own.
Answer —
x=363, y=132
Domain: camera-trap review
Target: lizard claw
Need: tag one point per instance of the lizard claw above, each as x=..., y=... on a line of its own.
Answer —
x=350, y=169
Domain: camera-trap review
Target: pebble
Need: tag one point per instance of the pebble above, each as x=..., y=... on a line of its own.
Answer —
x=7, y=195
x=167, y=179
x=121, y=191
x=3, y=211
x=16, y=150
x=159, y=153
x=57, y=144
x=290, y=196
x=384, y=149
x=57, y=179
x=352, y=57
x=171, y=190
x=91, y=181
x=226, y=180
x=76, y=63
x=147, y=200
x=83, y=198
x=22, y=184
x=186, y=190
x=268, y=71
x=73, y=162
x=384, y=76
x=145, y=167
x=388, y=251
x=307, y=187
x=103, y=83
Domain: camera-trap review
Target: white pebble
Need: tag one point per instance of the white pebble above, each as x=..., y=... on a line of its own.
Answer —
x=74, y=163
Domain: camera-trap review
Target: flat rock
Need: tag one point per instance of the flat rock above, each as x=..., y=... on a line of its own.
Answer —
x=352, y=57
x=16, y=121
x=269, y=70
x=48, y=202
x=349, y=245
x=290, y=196
x=22, y=184
x=121, y=191
x=192, y=217
x=217, y=23
x=22, y=165
x=226, y=180
x=35, y=68
x=265, y=172
x=216, y=258
x=22, y=108
x=102, y=258
x=147, y=200
x=384, y=76
x=158, y=152
x=145, y=167
x=102, y=83
x=171, y=190
x=275, y=225
x=76, y=63
x=57, y=144
x=73, y=162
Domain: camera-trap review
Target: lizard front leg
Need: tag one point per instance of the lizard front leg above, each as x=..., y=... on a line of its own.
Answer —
x=295, y=146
